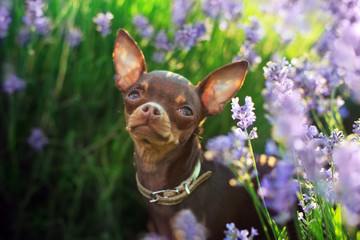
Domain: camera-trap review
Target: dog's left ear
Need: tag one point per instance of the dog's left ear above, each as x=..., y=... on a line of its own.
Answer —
x=128, y=60
x=221, y=85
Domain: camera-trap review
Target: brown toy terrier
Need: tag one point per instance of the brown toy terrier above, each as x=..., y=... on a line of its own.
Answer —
x=163, y=112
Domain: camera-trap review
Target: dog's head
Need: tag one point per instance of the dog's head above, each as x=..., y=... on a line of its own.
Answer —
x=163, y=109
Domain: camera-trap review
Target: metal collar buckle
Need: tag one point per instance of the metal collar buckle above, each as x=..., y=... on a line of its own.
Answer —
x=154, y=197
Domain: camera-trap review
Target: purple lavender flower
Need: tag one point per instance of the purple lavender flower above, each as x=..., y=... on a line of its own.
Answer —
x=74, y=37
x=287, y=112
x=313, y=156
x=162, y=41
x=159, y=56
x=225, y=9
x=253, y=31
x=34, y=10
x=220, y=147
x=189, y=35
x=312, y=132
x=346, y=158
x=244, y=114
x=279, y=190
x=325, y=41
x=34, y=17
x=308, y=204
x=37, y=140
x=42, y=26
x=24, y=36
x=356, y=127
x=248, y=52
x=13, y=84
x=271, y=149
x=232, y=233
x=5, y=20
x=153, y=236
x=277, y=72
x=143, y=26
x=186, y=226
x=103, y=22
x=180, y=10
x=335, y=139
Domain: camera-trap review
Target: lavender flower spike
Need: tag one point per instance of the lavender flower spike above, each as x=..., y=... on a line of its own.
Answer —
x=245, y=113
x=143, y=26
x=346, y=158
x=37, y=139
x=74, y=37
x=186, y=226
x=356, y=127
x=103, y=23
x=5, y=20
x=279, y=191
x=180, y=10
x=13, y=84
x=232, y=233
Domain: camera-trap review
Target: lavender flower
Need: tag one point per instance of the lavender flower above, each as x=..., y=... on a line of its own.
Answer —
x=356, y=127
x=219, y=148
x=34, y=17
x=271, y=149
x=247, y=52
x=103, y=22
x=13, y=84
x=232, y=233
x=335, y=139
x=224, y=9
x=186, y=226
x=159, y=56
x=143, y=26
x=34, y=10
x=180, y=10
x=5, y=20
x=37, y=140
x=253, y=31
x=279, y=190
x=189, y=35
x=42, y=26
x=24, y=36
x=346, y=158
x=285, y=105
x=153, y=236
x=162, y=41
x=244, y=114
x=74, y=37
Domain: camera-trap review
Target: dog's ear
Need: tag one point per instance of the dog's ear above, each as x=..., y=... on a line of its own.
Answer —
x=128, y=60
x=221, y=85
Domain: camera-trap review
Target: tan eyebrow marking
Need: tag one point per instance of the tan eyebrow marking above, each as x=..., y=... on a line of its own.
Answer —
x=145, y=85
x=180, y=99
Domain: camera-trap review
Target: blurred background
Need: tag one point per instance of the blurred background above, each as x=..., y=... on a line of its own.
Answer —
x=66, y=167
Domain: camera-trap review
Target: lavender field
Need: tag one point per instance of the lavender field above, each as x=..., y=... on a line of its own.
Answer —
x=66, y=167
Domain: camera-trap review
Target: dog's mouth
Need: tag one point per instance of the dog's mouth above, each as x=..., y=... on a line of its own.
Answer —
x=149, y=132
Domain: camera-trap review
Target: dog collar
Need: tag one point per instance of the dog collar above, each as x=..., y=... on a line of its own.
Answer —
x=178, y=194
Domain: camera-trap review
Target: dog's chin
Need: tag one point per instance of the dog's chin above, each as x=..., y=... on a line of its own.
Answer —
x=149, y=135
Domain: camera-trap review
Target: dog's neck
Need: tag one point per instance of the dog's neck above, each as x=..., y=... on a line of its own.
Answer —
x=159, y=172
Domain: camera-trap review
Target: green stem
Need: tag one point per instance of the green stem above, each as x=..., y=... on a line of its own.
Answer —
x=318, y=121
x=259, y=187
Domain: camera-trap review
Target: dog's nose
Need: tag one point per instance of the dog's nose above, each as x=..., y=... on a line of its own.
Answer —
x=152, y=110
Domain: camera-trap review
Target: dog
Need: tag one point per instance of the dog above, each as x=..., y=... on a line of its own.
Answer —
x=164, y=113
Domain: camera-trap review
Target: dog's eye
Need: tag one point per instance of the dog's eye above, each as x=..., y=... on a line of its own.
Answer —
x=134, y=95
x=187, y=111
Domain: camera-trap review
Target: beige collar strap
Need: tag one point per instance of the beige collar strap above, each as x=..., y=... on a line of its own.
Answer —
x=178, y=194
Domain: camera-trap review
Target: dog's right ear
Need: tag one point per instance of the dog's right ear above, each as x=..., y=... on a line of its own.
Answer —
x=128, y=60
